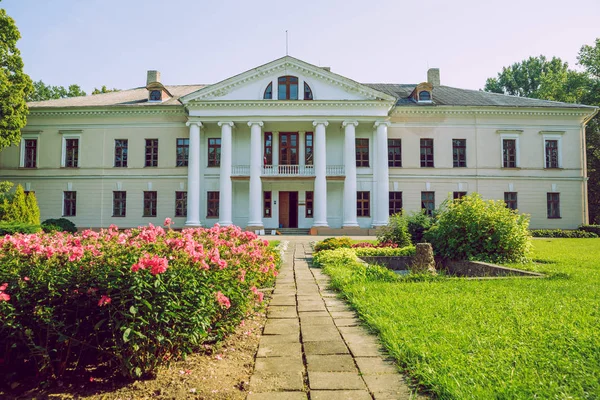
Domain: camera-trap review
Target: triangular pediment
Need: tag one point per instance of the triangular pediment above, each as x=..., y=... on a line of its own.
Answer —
x=250, y=85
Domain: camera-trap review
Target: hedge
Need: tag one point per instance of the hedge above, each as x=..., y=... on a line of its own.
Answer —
x=562, y=233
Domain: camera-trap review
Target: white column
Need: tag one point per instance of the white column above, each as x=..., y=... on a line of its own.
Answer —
x=255, y=198
x=383, y=181
x=275, y=148
x=320, y=162
x=301, y=149
x=193, y=184
x=225, y=187
x=350, y=171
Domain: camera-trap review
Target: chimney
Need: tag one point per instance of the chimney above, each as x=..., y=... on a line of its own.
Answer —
x=433, y=76
x=153, y=76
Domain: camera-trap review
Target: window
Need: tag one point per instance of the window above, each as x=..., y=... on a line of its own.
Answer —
x=395, y=202
x=214, y=152
x=212, y=205
x=30, y=156
x=426, y=152
x=268, y=153
x=268, y=92
x=394, y=153
x=288, y=148
x=309, y=204
x=183, y=152
x=307, y=92
x=553, y=205
x=69, y=204
x=424, y=95
x=287, y=88
x=119, y=204
x=150, y=199
x=121, y=153
x=308, y=146
x=151, y=153
x=459, y=153
x=509, y=153
x=71, y=153
x=362, y=152
x=363, y=207
x=510, y=198
x=458, y=195
x=181, y=204
x=155, y=95
x=551, y=151
x=428, y=202
x=267, y=200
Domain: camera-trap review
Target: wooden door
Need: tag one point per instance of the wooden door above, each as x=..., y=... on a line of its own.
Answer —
x=288, y=148
x=284, y=209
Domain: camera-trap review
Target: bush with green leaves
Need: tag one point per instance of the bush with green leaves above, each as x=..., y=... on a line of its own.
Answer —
x=385, y=251
x=19, y=207
x=63, y=225
x=562, y=233
x=333, y=243
x=418, y=224
x=590, y=228
x=13, y=228
x=476, y=229
x=396, y=231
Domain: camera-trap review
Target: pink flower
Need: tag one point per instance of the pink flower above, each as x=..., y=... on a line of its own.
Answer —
x=157, y=265
x=104, y=300
x=3, y=287
x=26, y=279
x=168, y=222
x=223, y=300
x=219, y=357
x=242, y=276
x=4, y=297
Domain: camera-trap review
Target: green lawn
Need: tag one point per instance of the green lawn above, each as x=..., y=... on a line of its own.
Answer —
x=514, y=338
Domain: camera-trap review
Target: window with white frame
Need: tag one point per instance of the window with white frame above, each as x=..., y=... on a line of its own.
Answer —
x=552, y=150
x=71, y=145
x=29, y=150
x=509, y=148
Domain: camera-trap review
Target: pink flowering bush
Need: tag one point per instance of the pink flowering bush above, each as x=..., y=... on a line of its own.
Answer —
x=132, y=299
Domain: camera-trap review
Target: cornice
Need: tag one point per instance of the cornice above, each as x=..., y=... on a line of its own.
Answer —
x=148, y=110
x=287, y=104
x=561, y=112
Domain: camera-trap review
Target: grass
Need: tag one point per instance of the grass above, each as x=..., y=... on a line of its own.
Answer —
x=510, y=338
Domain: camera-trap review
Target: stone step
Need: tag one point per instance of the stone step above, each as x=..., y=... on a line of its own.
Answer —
x=289, y=231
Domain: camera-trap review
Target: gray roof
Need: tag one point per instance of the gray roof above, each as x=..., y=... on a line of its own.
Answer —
x=450, y=96
x=442, y=96
x=130, y=97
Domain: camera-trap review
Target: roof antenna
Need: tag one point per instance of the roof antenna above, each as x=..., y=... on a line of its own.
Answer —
x=286, y=42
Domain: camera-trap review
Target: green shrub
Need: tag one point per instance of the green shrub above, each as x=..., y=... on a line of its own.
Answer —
x=418, y=224
x=62, y=223
x=590, y=228
x=333, y=243
x=20, y=208
x=385, y=251
x=562, y=233
x=396, y=231
x=476, y=229
x=13, y=228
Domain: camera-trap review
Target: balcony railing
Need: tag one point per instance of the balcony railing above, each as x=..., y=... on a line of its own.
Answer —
x=287, y=170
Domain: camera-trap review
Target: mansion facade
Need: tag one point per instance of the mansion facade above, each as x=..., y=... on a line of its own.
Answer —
x=292, y=145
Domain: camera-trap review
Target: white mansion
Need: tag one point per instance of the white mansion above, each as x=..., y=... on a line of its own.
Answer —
x=290, y=144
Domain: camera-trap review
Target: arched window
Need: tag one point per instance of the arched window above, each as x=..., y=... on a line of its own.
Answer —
x=287, y=88
x=307, y=92
x=424, y=95
x=269, y=92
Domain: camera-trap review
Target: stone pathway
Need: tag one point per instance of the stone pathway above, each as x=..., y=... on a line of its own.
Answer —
x=313, y=346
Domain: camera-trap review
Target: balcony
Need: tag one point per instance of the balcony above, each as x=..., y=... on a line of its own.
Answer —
x=288, y=171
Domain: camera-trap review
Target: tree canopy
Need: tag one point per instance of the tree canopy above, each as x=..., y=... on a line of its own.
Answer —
x=104, y=90
x=540, y=78
x=47, y=92
x=15, y=85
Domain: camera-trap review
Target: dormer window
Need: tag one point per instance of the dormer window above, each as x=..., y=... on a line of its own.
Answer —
x=424, y=95
x=269, y=92
x=307, y=92
x=287, y=88
x=155, y=95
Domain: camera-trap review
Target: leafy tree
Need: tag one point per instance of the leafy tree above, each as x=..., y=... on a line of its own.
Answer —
x=15, y=85
x=104, y=90
x=47, y=92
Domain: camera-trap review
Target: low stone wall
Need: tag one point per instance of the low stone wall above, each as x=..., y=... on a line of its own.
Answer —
x=454, y=268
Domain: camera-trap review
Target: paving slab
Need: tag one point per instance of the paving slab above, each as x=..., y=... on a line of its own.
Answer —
x=332, y=347
x=359, y=349
x=273, y=382
x=339, y=395
x=279, y=350
x=307, y=319
x=343, y=314
x=278, y=365
x=335, y=381
x=281, y=326
x=282, y=312
x=330, y=363
x=278, y=396
x=346, y=322
x=275, y=339
x=319, y=333
x=375, y=366
x=388, y=385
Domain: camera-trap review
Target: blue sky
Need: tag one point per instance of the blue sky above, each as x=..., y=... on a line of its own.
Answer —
x=114, y=43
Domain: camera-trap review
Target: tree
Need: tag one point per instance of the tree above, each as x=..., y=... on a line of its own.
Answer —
x=104, y=90
x=539, y=78
x=47, y=92
x=15, y=85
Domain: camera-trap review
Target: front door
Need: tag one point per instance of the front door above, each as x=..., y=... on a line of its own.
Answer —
x=288, y=209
